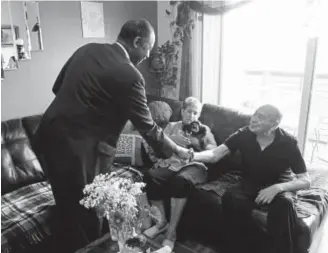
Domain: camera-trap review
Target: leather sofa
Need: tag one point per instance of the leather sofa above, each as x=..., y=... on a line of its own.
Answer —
x=26, y=197
x=28, y=206
x=203, y=215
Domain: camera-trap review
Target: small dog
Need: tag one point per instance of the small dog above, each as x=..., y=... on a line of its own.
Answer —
x=196, y=132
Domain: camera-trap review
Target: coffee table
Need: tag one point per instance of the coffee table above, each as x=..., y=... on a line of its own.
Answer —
x=106, y=245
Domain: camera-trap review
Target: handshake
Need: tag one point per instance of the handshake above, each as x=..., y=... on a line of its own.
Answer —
x=184, y=154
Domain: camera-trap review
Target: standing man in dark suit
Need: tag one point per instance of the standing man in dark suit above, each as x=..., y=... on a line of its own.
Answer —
x=97, y=91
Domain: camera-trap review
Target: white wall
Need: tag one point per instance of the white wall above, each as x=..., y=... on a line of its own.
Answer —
x=163, y=22
x=27, y=91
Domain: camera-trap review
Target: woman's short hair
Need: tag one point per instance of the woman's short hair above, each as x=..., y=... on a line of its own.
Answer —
x=191, y=101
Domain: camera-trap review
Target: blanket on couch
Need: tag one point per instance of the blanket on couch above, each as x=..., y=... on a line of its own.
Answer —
x=24, y=216
x=313, y=201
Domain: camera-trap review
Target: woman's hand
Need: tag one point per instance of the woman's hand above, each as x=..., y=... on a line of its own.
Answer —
x=180, y=139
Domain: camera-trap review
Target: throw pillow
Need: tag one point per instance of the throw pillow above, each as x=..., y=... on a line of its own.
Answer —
x=128, y=150
x=161, y=112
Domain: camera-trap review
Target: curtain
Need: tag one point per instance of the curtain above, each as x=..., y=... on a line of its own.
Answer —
x=191, y=63
x=211, y=58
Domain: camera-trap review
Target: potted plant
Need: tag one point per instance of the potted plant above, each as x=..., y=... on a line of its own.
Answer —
x=164, y=60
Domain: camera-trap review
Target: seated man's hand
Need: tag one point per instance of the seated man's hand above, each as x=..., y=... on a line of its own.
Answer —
x=180, y=139
x=183, y=153
x=266, y=195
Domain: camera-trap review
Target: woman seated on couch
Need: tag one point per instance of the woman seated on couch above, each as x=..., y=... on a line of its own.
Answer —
x=174, y=178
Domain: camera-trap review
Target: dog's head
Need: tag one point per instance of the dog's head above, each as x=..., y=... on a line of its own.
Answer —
x=194, y=128
x=198, y=131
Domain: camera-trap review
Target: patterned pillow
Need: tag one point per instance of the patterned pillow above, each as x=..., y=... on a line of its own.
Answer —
x=128, y=150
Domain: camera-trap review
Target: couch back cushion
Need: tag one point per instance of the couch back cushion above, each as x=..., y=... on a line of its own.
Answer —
x=222, y=121
x=19, y=164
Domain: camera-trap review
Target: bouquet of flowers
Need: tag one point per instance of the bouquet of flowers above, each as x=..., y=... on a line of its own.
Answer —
x=116, y=199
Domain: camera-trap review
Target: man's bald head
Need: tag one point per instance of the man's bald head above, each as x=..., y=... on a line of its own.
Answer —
x=136, y=28
x=265, y=119
x=271, y=112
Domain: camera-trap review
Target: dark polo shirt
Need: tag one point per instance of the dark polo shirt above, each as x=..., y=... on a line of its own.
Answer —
x=274, y=164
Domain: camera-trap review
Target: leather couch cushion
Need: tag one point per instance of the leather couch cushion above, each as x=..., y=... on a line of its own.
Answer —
x=30, y=124
x=222, y=121
x=19, y=165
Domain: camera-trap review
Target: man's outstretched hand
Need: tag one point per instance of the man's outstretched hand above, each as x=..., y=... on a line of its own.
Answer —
x=183, y=153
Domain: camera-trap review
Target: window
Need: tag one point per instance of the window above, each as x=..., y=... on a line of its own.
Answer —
x=263, y=59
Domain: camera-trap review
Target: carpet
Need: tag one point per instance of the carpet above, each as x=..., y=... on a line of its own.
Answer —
x=190, y=246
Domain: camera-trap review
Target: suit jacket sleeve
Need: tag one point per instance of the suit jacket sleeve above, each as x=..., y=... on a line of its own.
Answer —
x=140, y=117
x=60, y=78
x=59, y=81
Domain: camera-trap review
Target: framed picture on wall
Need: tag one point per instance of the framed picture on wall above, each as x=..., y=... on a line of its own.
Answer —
x=92, y=14
x=9, y=35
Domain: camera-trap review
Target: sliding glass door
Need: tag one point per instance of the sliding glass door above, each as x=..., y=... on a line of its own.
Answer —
x=269, y=56
x=263, y=59
x=316, y=141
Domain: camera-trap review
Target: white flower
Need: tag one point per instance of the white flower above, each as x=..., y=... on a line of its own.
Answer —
x=113, y=196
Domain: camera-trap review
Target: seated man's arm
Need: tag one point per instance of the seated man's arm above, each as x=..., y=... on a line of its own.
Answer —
x=298, y=166
x=302, y=182
x=266, y=195
x=230, y=145
x=213, y=155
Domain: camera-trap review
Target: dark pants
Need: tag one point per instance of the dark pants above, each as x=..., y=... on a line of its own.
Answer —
x=77, y=226
x=238, y=203
x=162, y=183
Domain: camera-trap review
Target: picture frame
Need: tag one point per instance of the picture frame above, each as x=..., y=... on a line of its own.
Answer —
x=92, y=17
x=9, y=35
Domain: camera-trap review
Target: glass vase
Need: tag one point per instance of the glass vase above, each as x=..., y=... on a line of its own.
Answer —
x=121, y=234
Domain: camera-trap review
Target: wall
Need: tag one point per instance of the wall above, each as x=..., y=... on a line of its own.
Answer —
x=163, y=22
x=27, y=91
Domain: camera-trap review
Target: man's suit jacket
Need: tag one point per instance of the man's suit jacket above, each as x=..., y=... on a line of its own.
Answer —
x=97, y=91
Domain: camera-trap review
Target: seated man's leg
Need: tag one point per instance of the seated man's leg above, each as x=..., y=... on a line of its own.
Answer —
x=283, y=224
x=237, y=204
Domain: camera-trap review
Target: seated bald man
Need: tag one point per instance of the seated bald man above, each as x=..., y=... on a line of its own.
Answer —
x=270, y=156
